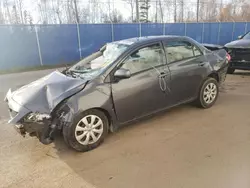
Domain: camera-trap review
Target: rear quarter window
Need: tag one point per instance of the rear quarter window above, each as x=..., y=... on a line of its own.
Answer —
x=180, y=50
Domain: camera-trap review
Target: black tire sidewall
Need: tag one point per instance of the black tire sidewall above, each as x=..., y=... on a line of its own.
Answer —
x=201, y=101
x=69, y=131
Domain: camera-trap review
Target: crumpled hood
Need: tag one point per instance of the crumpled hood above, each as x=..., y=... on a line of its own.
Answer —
x=45, y=94
x=243, y=43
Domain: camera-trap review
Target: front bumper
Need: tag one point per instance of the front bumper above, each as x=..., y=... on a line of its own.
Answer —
x=17, y=117
x=17, y=111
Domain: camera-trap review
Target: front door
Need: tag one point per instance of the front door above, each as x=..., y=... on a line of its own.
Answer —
x=146, y=91
x=187, y=68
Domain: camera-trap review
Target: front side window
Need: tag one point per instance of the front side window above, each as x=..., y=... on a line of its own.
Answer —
x=144, y=58
x=180, y=50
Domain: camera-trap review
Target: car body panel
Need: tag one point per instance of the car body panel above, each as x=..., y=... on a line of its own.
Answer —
x=45, y=94
x=240, y=53
x=186, y=77
x=127, y=99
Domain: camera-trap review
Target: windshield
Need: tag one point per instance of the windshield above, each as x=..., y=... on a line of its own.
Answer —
x=247, y=36
x=96, y=62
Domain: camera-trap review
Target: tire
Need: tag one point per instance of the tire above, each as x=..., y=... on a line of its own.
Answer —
x=230, y=70
x=86, y=126
x=208, y=100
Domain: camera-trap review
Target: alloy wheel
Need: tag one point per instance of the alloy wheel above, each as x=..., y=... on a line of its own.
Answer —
x=210, y=93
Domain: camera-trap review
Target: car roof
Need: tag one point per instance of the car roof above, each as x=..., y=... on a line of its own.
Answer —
x=147, y=39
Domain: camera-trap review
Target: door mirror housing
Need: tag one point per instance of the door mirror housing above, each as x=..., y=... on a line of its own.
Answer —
x=122, y=73
x=240, y=37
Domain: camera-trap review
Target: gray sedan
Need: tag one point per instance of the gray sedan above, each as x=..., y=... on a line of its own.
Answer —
x=123, y=81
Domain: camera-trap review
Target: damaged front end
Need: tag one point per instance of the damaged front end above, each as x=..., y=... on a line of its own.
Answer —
x=39, y=108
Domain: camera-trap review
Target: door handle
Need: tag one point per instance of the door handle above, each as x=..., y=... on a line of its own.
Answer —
x=163, y=74
x=201, y=64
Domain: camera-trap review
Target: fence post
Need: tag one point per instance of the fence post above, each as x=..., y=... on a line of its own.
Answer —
x=38, y=46
x=140, y=29
x=164, y=32
x=233, y=30
x=112, y=31
x=218, y=40
x=186, y=29
x=246, y=28
x=202, y=34
x=79, y=40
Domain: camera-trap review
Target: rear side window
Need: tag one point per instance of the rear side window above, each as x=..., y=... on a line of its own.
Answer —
x=180, y=50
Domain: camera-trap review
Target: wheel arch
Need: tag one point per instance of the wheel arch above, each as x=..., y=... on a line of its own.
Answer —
x=214, y=75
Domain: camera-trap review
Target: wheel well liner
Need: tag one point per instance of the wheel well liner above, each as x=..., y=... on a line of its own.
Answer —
x=215, y=76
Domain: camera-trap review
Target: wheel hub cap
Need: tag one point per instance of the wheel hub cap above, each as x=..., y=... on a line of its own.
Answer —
x=89, y=130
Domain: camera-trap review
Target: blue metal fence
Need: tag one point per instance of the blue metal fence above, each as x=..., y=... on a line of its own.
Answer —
x=24, y=46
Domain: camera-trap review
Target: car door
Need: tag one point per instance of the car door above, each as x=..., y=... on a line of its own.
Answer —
x=187, y=68
x=146, y=90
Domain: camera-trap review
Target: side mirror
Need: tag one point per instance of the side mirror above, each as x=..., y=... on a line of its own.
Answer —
x=240, y=37
x=122, y=73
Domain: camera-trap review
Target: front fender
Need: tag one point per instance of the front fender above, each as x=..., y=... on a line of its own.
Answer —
x=93, y=96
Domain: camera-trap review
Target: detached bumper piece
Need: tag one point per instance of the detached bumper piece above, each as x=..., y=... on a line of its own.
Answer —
x=223, y=74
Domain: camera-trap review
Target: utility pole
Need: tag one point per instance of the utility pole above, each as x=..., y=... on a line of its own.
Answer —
x=137, y=11
x=197, y=11
x=76, y=12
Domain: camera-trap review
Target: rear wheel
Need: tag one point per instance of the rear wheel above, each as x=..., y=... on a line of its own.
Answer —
x=208, y=93
x=230, y=70
x=87, y=131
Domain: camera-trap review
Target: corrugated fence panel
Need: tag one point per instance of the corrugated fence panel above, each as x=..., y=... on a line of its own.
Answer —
x=151, y=29
x=226, y=33
x=175, y=29
x=239, y=29
x=248, y=26
x=59, y=44
x=124, y=31
x=194, y=30
x=94, y=36
x=211, y=32
x=18, y=47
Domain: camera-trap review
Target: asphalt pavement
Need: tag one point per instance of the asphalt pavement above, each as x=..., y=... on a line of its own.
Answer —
x=185, y=147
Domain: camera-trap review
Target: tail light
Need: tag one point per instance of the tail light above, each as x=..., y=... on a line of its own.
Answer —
x=228, y=57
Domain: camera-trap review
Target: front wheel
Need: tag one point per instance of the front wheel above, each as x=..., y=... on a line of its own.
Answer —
x=87, y=131
x=208, y=93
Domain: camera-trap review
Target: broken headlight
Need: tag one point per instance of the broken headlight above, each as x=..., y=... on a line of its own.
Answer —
x=36, y=117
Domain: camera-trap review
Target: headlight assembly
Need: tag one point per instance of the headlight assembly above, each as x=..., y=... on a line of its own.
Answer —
x=35, y=117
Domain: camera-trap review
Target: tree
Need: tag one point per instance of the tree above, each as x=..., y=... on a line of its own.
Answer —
x=132, y=6
x=144, y=8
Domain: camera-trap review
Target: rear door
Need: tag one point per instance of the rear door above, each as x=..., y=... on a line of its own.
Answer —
x=187, y=67
x=146, y=90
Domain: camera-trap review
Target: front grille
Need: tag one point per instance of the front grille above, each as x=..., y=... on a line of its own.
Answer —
x=239, y=54
x=12, y=113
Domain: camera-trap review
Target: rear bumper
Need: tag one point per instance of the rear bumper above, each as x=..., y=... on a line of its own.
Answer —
x=242, y=65
x=222, y=74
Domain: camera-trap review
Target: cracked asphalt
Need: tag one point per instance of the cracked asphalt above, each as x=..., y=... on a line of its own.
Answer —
x=185, y=147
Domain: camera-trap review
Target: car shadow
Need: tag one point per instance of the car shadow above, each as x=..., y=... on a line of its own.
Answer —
x=100, y=167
